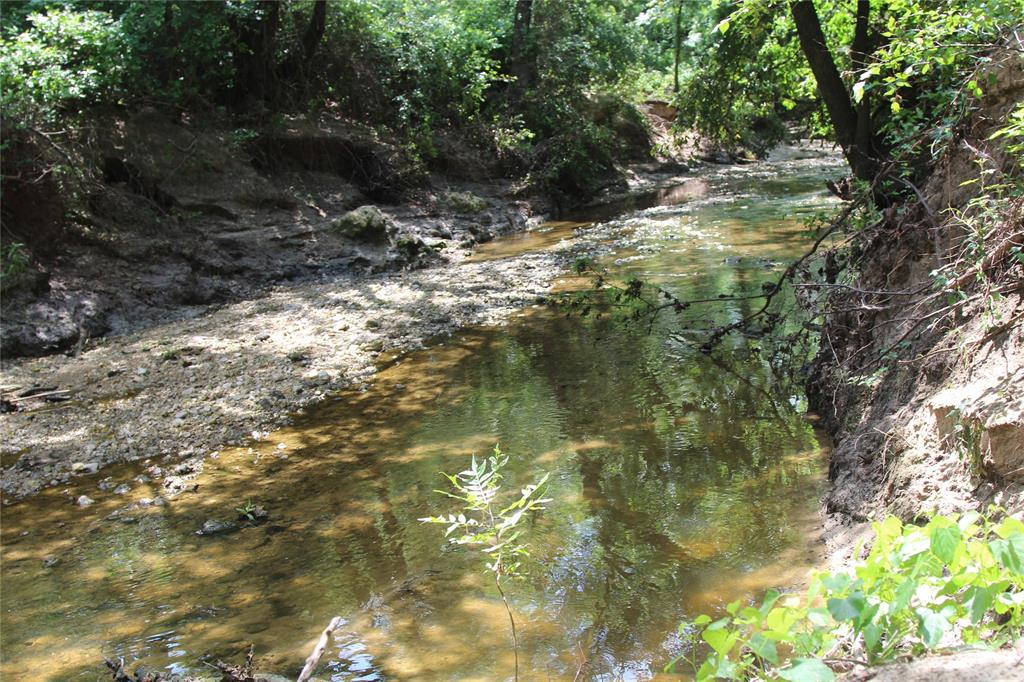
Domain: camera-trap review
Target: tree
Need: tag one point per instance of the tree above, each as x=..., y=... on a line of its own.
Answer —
x=521, y=64
x=853, y=126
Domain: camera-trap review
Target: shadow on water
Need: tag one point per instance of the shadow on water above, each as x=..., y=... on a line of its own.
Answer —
x=679, y=483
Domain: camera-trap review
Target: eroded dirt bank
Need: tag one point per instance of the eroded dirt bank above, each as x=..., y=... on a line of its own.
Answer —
x=920, y=374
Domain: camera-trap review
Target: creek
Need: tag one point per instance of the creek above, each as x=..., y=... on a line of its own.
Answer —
x=679, y=482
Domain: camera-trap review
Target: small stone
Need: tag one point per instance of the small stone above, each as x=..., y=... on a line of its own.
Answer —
x=84, y=501
x=122, y=489
x=85, y=467
x=142, y=371
x=216, y=527
x=50, y=561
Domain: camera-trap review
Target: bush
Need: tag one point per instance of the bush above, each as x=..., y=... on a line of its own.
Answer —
x=65, y=59
x=957, y=581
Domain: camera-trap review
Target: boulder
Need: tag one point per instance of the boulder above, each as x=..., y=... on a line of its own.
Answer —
x=465, y=202
x=365, y=224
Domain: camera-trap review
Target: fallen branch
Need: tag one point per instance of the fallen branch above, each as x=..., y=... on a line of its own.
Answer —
x=52, y=395
x=318, y=650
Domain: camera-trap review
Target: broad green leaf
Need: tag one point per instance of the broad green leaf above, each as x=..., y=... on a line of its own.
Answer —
x=764, y=647
x=1009, y=526
x=808, y=670
x=1009, y=552
x=931, y=626
x=872, y=635
x=849, y=608
x=721, y=640
x=978, y=599
x=944, y=542
x=904, y=593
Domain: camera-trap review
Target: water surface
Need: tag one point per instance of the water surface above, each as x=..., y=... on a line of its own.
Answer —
x=679, y=482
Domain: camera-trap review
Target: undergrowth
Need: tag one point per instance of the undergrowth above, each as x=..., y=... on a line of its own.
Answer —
x=951, y=584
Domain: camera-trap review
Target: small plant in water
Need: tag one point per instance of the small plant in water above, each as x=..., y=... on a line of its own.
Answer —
x=485, y=524
x=251, y=512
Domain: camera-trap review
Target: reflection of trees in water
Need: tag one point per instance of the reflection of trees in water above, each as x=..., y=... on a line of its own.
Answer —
x=696, y=459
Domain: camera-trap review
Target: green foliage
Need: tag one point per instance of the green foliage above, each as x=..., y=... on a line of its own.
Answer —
x=750, y=79
x=484, y=523
x=66, y=58
x=956, y=581
x=14, y=259
x=929, y=71
x=1012, y=134
x=490, y=526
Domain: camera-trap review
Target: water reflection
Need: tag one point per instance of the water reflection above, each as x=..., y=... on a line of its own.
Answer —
x=680, y=482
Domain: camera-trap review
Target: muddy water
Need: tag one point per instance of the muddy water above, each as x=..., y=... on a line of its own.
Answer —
x=679, y=482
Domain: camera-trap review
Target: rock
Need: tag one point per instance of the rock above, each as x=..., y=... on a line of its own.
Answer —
x=366, y=224
x=375, y=346
x=50, y=561
x=122, y=489
x=481, y=234
x=217, y=527
x=84, y=501
x=465, y=202
x=85, y=467
x=409, y=247
x=105, y=484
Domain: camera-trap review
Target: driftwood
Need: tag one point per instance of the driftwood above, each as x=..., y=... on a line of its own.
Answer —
x=318, y=650
x=47, y=395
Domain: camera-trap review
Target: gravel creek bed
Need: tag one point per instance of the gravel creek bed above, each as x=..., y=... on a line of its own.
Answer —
x=182, y=389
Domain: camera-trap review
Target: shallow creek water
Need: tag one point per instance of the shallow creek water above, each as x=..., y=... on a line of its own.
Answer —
x=679, y=482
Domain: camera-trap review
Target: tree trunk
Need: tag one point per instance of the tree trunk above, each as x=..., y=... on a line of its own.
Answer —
x=521, y=64
x=297, y=65
x=853, y=136
x=254, y=63
x=677, y=46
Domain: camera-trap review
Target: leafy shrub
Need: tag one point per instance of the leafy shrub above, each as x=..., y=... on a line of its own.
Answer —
x=65, y=58
x=958, y=580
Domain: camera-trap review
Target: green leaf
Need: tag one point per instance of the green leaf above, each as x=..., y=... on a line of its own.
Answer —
x=1009, y=552
x=721, y=640
x=931, y=626
x=808, y=670
x=979, y=600
x=849, y=608
x=944, y=542
x=872, y=635
x=764, y=647
x=904, y=593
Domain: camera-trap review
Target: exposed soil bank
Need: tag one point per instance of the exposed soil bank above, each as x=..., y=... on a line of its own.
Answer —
x=920, y=375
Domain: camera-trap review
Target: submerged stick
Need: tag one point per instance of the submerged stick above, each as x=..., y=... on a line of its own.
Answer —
x=318, y=650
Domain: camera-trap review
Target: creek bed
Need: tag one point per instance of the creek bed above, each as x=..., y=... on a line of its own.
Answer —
x=679, y=482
